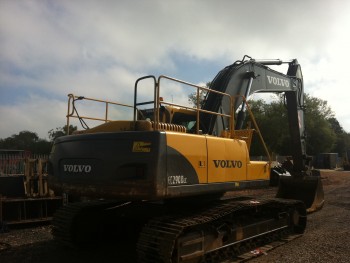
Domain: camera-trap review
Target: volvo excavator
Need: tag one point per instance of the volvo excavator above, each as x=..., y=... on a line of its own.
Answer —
x=162, y=175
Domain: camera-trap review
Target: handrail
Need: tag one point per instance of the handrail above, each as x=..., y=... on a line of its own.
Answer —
x=71, y=109
x=148, y=102
x=197, y=109
x=72, y=113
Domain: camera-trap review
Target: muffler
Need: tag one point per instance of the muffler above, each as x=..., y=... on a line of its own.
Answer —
x=308, y=189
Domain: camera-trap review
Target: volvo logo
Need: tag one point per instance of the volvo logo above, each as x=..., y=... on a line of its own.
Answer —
x=227, y=164
x=77, y=168
x=278, y=81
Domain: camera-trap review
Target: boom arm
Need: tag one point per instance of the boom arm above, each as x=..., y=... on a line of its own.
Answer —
x=250, y=76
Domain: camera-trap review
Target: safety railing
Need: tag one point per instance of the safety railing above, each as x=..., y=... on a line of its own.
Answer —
x=73, y=113
x=198, y=101
x=153, y=102
x=158, y=100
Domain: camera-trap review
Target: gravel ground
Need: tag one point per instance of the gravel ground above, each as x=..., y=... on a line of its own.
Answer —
x=326, y=239
x=327, y=236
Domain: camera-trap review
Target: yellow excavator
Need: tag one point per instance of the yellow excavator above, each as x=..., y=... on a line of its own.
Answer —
x=162, y=175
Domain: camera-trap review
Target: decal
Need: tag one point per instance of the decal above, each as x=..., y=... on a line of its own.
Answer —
x=227, y=164
x=178, y=166
x=177, y=179
x=77, y=168
x=141, y=147
x=278, y=81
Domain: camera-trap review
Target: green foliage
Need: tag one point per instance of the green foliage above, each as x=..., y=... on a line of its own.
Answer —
x=26, y=140
x=192, y=98
x=342, y=143
x=321, y=137
x=30, y=141
x=273, y=123
x=61, y=131
x=324, y=133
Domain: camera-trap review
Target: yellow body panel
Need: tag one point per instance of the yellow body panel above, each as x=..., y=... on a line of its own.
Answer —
x=258, y=171
x=218, y=159
x=194, y=148
x=111, y=126
x=227, y=160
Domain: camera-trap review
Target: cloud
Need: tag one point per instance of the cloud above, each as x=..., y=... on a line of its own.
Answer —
x=39, y=117
x=98, y=49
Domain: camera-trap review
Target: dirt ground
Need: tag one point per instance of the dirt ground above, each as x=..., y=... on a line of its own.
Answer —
x=326, y=239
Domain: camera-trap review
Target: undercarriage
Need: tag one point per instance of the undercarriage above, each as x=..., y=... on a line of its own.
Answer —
x=191, y=232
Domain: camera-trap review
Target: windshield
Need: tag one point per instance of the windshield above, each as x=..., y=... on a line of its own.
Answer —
x=189, y=121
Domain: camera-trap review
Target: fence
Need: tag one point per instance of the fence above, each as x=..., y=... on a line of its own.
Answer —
x=23, y=175
x=24, y=193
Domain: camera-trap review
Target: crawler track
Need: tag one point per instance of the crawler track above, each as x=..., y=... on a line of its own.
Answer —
x=78, y=223
x=216, y=231
x=223, y=232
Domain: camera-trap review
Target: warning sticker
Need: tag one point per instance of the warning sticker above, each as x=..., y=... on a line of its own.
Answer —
x=141, y=147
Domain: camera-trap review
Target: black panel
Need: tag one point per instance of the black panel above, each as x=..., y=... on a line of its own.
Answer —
x=122, y=164
x=180, y=170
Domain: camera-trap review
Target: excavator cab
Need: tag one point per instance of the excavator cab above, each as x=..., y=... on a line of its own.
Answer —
x=171, y=115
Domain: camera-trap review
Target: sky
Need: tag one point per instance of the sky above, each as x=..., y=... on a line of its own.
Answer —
x=98, y=49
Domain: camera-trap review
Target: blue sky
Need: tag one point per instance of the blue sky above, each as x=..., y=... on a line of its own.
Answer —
x=99, y=48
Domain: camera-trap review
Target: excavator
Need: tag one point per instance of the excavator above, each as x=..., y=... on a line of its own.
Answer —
x=162, y=175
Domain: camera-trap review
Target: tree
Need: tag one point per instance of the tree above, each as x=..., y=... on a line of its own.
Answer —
x=21, y=141
x=324, y=133
x=60, y=131
x=337, y=128
x=192, y=98
x=320, y=134
x=342, y=143
x=26, y=140
x=273, y=122
x=30, y=141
